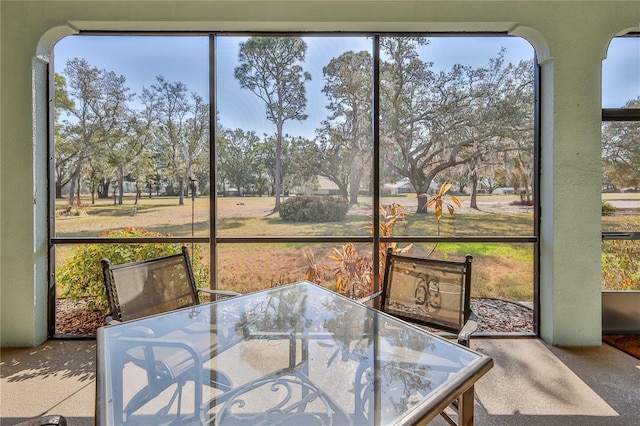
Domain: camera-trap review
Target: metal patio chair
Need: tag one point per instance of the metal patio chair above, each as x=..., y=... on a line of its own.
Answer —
x=149, y=287
x=139, y=289
x=429, y=292
x=433, y=293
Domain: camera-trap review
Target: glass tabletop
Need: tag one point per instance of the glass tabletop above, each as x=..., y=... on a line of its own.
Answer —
x=296, y=354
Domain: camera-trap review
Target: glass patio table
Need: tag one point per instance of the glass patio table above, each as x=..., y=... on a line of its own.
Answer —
x=292, y=355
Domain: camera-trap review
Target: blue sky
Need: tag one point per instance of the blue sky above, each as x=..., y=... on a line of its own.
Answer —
x=185, y=58
x=621, y=72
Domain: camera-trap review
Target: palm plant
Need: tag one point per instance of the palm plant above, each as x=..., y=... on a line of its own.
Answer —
x=354, y=272
x=439, y=201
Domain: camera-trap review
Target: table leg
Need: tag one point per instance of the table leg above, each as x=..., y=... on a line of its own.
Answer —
x=117, y=389
x=465, y=408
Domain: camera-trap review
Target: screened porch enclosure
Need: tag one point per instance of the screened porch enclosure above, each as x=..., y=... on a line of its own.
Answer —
x=296, y=156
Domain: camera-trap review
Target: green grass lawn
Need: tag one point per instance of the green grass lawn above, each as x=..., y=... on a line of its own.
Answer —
x=501, y=270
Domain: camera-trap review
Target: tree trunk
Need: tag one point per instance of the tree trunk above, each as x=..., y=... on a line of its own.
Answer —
x=181, y=190
x=354, y=182
x=72, y=184
x=120, y=185
x=421, y=205
x=103, y=188
x=277, y=183
x=474, y=190
x=138, y=193
x=354, y=186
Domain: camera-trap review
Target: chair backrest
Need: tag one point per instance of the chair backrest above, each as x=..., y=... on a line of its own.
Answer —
x=436, y=293
x=139, y=289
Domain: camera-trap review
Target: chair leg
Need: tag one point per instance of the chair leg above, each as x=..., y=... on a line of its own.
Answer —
x=48, y=420
x=448, y=419
x=145, y=395
x=217, y=379
x=463, y=408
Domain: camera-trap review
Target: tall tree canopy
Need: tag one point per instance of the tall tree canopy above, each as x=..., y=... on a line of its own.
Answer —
x=621, y=152
x=433, y=122
x=238, y=159
x=99, y=116
x=65, y=148
x=103, y=138
x=469, y=125
x=345, y=138
x=181, y=134
x=270, y=67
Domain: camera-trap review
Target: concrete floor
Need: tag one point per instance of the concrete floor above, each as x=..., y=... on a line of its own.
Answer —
x=531, y=383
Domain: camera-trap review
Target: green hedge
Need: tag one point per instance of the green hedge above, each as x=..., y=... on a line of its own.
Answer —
x=311, y=208
x=81, y=276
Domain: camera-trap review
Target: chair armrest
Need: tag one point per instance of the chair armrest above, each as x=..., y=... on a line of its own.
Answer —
x=175, y=363
x=139, y=331
x=220, y=292
x=110, y=321
x=469, y=328
x=369, y=298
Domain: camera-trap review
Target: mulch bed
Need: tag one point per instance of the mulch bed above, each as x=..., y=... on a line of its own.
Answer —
x=75, y=318
x=629, y=343
x=494, y=315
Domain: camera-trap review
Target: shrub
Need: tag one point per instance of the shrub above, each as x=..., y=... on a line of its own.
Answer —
x=621, y=260
x=607, y=209
x=310, y=208
x=81, y=276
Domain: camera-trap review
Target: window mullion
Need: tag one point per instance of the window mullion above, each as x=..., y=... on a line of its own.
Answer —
x=213, y=192
x=376, y=162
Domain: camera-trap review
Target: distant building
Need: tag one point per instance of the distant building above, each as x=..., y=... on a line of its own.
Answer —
x=326, y=187
x=504, y=190
x=401, y=187
x=319, y=186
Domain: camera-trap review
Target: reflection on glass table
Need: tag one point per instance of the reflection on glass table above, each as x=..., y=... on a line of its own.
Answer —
x=297, y=354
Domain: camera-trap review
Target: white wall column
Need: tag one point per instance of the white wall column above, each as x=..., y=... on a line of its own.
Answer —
x=571, y=175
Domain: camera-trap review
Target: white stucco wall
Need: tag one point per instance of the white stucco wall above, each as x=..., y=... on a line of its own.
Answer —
x=570, y=38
